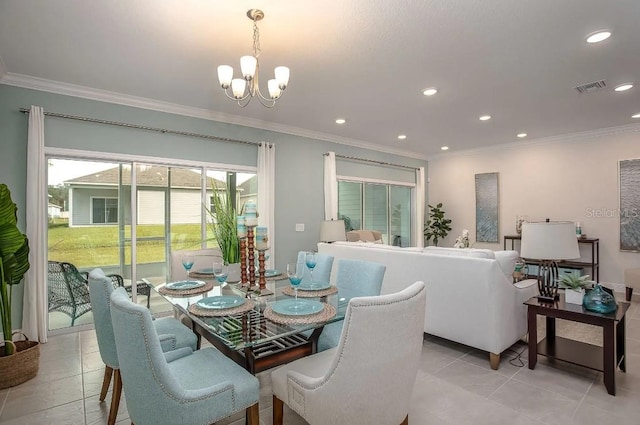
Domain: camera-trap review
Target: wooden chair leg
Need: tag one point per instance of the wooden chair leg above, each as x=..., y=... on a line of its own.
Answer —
x=406, y=420
x=278, y=409
x=494, y=360
x=629, y=293
x=105, y=382
x=253, y=414
x=115, y=397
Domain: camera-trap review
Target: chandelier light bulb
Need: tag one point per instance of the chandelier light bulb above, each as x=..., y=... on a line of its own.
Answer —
x=238, y=86
x=248, y=66
x=225, y=75
x=274, y=90
x=282, y=76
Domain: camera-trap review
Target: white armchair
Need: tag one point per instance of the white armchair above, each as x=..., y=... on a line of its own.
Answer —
x=382, y=334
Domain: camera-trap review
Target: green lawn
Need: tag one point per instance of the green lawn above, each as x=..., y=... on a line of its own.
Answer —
x=99, y=245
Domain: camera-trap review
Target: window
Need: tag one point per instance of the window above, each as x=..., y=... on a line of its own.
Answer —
x=104, y=210
x=377, y=206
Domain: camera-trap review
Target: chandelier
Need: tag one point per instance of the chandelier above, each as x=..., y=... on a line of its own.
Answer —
x=246, y=88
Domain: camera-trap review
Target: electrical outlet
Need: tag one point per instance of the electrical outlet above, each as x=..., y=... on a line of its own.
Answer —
x=299, y=227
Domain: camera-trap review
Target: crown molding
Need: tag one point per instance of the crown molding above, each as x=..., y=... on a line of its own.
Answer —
x=591, y=134
x=57, y=87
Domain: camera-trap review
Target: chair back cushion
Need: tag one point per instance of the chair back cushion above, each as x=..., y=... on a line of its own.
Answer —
x=100, y=289
x=322, y=270
x=359, y=278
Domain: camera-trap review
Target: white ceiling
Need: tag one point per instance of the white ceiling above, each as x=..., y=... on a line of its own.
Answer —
x=365, y=60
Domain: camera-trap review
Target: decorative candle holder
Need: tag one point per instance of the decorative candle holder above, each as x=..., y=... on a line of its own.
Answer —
x=262, y=281
x=243, y=262
x=250, y=266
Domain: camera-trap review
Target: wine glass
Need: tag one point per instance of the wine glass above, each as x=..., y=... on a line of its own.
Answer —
x=295, y=272
x=311, y=259
x=220, y=272
x=187, y=263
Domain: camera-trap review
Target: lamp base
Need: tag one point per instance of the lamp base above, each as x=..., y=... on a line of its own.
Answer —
x=548, y=298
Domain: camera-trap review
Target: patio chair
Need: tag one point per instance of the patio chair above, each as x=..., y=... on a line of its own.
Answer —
x=177, y=387
x=69, y=291
x=171, y=333
x=368, y=378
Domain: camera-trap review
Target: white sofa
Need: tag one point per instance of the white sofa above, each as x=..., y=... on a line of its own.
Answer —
x=470, y=295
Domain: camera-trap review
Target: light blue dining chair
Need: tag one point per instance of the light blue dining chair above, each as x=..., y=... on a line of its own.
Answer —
x=181, y=386
x=322, y=270
x=171, y=332
x=355, y=278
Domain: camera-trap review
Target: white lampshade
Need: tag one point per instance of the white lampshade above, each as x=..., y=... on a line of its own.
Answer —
x=248, y=67
x=237, y=86
x=225, y=74
x=332, y=231
x=282, y=76
x=274, y=90
x=555, y=240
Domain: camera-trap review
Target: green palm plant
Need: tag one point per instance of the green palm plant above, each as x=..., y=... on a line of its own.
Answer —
x=14, y=259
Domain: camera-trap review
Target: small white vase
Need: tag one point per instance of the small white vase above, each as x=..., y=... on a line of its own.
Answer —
x=234, y=273
x=573, y=296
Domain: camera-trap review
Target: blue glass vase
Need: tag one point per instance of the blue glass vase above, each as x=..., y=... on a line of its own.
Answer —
x=599, y=300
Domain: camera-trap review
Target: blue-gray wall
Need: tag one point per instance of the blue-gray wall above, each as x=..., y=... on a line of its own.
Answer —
x=299, y=160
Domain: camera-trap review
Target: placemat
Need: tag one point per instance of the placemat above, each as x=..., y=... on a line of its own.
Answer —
x=288, y=290
x=327, y=313
x=206, y=312
x=202, y=275
x=186, y=292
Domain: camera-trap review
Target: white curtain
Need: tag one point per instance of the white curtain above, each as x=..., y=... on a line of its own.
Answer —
x=330, y=187
x=34, y=310
x=266, y=193
x=418, y=234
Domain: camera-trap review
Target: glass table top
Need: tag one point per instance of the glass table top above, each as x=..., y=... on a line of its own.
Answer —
x=251, y=328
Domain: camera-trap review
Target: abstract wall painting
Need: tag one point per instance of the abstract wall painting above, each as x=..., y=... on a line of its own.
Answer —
x=629, y=178
x=487, y=207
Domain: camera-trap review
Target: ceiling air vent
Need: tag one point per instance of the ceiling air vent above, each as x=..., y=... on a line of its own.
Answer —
x=591, y=87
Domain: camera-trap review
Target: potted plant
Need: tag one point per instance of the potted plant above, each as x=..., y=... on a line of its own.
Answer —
x=437, y=226
x=18, y=360
x=574, y=287
x=224, y=228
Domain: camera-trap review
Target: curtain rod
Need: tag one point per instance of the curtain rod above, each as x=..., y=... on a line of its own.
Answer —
x=373, y=161
x=144, y=127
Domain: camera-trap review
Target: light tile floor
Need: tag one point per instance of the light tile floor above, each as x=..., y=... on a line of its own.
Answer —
x=454, y=386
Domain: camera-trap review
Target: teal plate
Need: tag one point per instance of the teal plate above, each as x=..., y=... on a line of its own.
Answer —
x=300, y=307
x=221, y=302
x=314, y=286
x=269, y=273
x=184, y=285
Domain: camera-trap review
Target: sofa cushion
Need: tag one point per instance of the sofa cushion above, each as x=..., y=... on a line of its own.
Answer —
x=460, y=252
x=507, y=261
x=364, y=236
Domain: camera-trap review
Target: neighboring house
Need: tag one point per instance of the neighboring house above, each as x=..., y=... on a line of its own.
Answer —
x=55, y=211
x=94, y=200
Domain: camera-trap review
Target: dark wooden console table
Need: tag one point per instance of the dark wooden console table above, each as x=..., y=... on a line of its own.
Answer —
x=593, y=264
x=604, y=359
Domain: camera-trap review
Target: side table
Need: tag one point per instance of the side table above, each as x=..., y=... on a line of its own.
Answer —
x=604, y=359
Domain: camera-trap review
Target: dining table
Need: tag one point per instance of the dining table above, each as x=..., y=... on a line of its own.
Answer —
x=256, y=331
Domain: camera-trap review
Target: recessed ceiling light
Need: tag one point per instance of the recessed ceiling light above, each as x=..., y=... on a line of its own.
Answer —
x=402, y=136
x=624, y=87
x=430, y=91
x=484, y=117
x=445, y=148
x=341, y=121
x=598, y=36
x=636, y=115
x=521, y=135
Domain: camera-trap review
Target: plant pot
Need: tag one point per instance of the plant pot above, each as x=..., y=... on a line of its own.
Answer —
x=21, y=366
x=572, y=296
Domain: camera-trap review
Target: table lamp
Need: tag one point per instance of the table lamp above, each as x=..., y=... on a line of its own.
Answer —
x=549, y=242
x=332, y=231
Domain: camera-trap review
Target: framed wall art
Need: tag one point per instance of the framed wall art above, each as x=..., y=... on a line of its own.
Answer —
x=487, y=207
x=629, y=181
